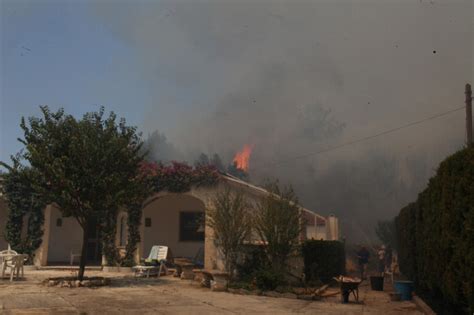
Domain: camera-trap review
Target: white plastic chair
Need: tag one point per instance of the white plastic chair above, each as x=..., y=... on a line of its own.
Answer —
x=5, y=255
x=15, y=264
x=158, y=253
x=73, y=255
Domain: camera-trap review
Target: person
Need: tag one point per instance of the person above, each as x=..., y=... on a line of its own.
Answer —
x=388, y=258
x=363, y=259
x=381, y=260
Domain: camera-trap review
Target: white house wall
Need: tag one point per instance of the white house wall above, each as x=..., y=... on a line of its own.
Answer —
x=164, y=213
x=64, y=238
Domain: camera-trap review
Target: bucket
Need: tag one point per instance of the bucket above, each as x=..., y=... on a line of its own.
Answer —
x=405, y=288
x=376, y=283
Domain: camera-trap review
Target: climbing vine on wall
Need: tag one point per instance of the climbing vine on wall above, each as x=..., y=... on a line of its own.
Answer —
x=108, y=230
x=176, y=177
x=134, y=216
x=23, y=202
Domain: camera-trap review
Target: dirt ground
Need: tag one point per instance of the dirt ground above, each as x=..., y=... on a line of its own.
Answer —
x=168, y=295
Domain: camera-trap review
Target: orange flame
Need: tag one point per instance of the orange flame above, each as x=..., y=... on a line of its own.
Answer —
x=241, y=158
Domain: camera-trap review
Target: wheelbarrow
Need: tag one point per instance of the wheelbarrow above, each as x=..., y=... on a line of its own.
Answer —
x=348, y=285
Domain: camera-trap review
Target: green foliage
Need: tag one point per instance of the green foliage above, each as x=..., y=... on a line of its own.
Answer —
x=230, y=221
x=268, y=279
x=216, y=161
x=177, y=177
x=90, y=166
x=277, y=220
x=134, y=211
x=436, y=234
x=323, y=260
x=406, y=240
x=108, y=232
x=23, y=201
x=202, y=160
x=252, y=259
x=387, y=233
x=254, y=269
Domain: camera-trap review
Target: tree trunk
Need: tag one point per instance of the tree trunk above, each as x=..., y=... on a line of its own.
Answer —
x=82, y=265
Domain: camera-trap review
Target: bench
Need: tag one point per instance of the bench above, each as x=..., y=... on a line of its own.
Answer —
x=215, y=279
x=184, y=269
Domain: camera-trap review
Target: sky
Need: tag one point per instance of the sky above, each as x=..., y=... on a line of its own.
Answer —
x=290, y=78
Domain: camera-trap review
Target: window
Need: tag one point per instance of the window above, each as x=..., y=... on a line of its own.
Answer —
x=59, y=222
x=147, y=222
x=191, y=226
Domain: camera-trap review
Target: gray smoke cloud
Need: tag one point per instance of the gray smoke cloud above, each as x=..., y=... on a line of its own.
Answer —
x=294, y=78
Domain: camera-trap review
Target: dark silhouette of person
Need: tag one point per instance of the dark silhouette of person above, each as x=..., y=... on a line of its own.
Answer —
x=363, y=256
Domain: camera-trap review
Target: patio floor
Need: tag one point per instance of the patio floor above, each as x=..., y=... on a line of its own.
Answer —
x=168, y=295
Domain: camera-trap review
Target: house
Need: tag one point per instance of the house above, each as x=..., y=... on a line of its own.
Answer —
x=170, y=219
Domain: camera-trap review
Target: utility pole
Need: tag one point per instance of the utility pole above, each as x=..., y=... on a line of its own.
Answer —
x=468, y=93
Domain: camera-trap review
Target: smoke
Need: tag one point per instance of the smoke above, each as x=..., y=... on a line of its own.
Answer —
x=295, y=78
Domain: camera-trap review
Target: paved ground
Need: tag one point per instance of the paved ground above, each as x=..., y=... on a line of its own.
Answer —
x=168, y=295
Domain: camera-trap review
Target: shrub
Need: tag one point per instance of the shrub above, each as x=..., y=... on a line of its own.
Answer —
x=277, y=221
x=436, y=234
x=229, y=219
x=268, y=279
x=323, y=260
x=252, y=259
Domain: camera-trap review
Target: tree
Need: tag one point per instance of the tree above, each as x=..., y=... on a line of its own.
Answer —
x=216, y=161
x=229, y=219
x=202, y=160
x=18, y=185
x=90, y=166
x=158, y=148
x=278, y=222
x=387, y=232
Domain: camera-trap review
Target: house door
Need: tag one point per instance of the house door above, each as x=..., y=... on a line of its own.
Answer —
x=94, y=246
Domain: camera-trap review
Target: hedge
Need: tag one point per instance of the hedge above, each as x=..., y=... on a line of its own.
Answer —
x=323, y=260
x=436, y=236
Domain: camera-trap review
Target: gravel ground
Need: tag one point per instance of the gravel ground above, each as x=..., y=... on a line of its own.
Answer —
x=168, y=295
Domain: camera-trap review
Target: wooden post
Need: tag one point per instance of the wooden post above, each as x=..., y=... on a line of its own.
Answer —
x=469, y=114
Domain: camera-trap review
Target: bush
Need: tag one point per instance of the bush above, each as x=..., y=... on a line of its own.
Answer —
x=229, y=218
x=436, y=236
x=277, y=221
x=323, y=260
x=405, y=225
x=252, y=259
x=268, y=279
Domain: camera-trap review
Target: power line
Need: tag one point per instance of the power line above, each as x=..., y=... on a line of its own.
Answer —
x=369, y=137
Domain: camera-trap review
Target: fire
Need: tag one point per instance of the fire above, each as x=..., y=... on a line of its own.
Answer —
x=241, y=158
